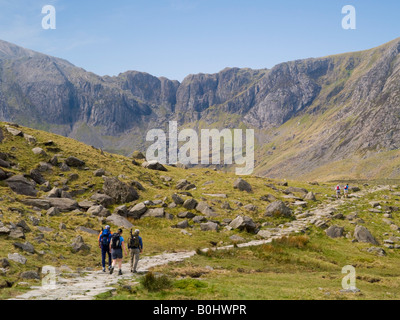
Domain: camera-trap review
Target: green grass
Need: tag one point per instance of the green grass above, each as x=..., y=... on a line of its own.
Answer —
x=283, y=270
x=292, y=269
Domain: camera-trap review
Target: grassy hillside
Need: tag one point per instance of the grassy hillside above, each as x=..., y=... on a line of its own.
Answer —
x=303, y=266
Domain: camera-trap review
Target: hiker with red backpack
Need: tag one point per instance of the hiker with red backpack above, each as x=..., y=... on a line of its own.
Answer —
x=346, y=191
x=337, y=192
x=117, y=244
x=104, y=244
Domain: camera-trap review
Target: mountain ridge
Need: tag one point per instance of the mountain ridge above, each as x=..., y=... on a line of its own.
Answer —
x=351, y=97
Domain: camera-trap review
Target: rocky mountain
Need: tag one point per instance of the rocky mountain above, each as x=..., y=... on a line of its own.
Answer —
x=328, y=117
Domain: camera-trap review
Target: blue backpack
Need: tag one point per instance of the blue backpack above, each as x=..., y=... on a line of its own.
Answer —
x=105, y=237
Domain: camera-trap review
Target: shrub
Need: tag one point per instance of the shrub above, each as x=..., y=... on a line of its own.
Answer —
x=156, y=283
x=292, y=241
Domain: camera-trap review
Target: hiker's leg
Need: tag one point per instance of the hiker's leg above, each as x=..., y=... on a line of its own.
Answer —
x=109, y=258
x=132, y=256
x=103, y=257
x=136, y=258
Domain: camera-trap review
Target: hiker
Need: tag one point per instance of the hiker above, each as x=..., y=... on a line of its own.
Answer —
x=116, y=245
x=104, y=245
x=346, y=191
x=337, y=192
x=135, y=246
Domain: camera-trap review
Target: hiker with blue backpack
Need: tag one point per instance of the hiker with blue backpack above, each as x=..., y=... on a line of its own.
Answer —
x=116, y=245
x=104, y=244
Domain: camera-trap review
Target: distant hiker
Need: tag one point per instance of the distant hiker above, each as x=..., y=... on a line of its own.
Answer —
x=135, y=246
x=337, y=192
x=104, y=244
x=116, y=245
x=346, y=191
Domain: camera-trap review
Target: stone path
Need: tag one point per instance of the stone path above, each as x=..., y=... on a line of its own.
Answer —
x=93, y=283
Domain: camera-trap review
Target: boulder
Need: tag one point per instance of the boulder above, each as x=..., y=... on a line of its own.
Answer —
x=177, y=199
x=4, y=164
x=362, y=234
x=3, y=175
x=335, y=232
x=30, y=275
x=4, y=263
x=54, y=161
x=166, y=178
x=376, y=250
x=190, y=204
x=63, y=204
x=310, y=197
x=30, y=139
x=268, y=198
x=16, y=257
x=243, y=223
x=22, y=224
x=54, y=193
x=199, y=219
x=64, y=167
x=119, y=221
x=137, y=211
x=99, y=173
x=17, y=233
x=121, y=210
x=78, y=245
x=53, y=212
x=154, y=165
x=278, y=208
x=226, y=206
x=39, y=151
x=74, y=162
x=184, y=185
x=46, y=187
x=242, y=185
x=250, y=207
x=137, y=185
x=209, y=226
x=15, y=132
x=119, y=191
x=20, y=185
x=205, y=209
x=86, y=204
x=27, y=247
x=186, y=215
x=103, y=199
x=154, y=213
x=183, y=224
x=37, y=176
x=4, y=231
x=38, y=203
x=98, y=211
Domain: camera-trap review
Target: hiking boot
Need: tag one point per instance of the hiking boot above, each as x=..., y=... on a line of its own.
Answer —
x=111, y=270
x=120, y=273
x=104, y=269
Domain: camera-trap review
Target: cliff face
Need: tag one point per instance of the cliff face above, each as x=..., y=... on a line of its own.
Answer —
x=312, y=111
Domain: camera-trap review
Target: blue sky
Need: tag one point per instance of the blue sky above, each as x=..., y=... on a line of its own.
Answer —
x=175, y=38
